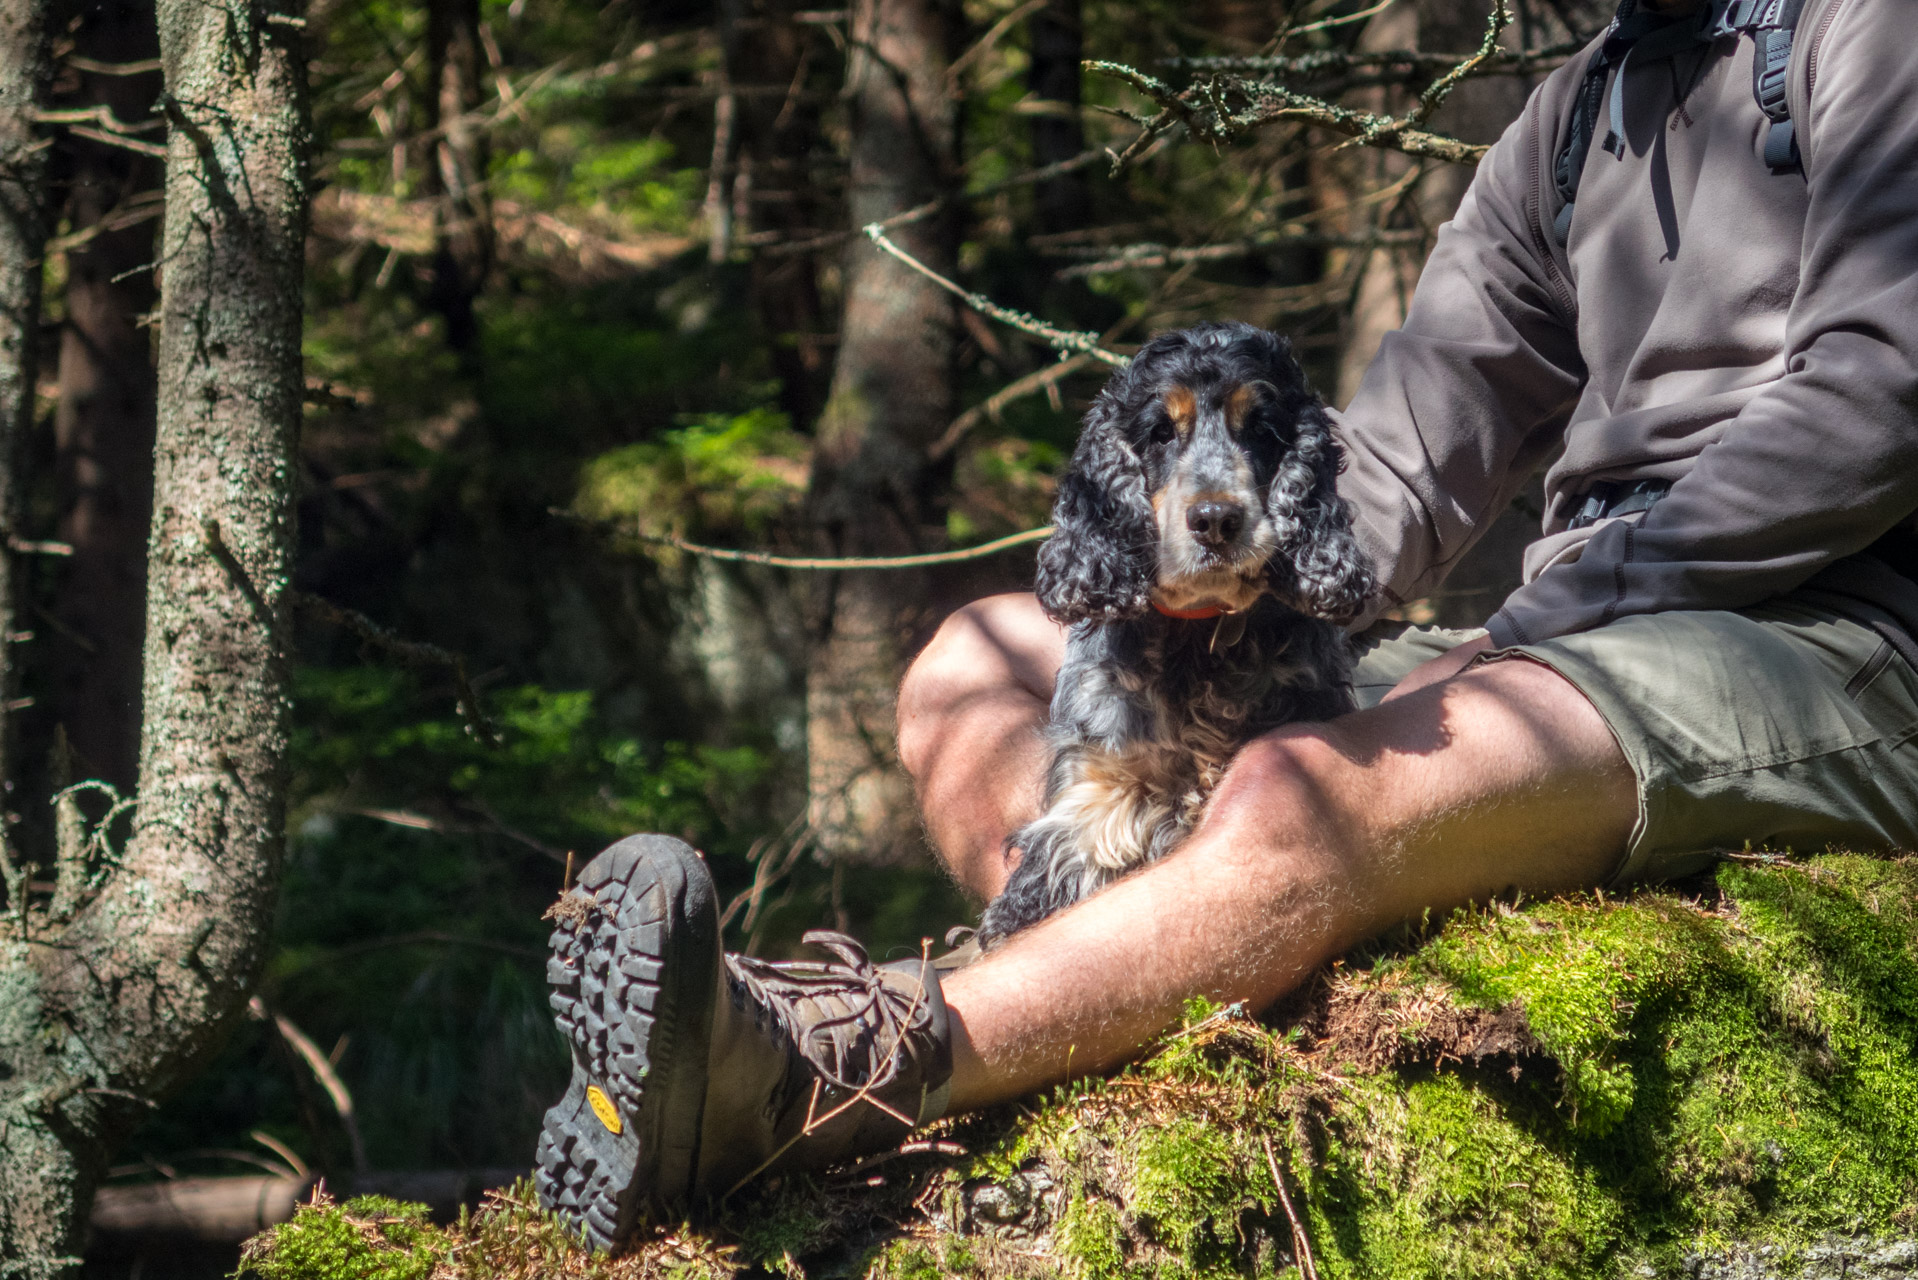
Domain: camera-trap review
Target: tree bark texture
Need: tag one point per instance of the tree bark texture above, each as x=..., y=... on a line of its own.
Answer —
x=103, y=424
x=25, y=71
x=456, y=170
x=109, y=1011
x=39, y=1225
x=892, y=394
x=770, y=64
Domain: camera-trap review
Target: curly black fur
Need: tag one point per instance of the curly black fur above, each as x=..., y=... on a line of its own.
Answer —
x=1150, y=708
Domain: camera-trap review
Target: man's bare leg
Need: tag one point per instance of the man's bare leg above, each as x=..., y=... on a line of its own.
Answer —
x=970, y=715
x=1319, y=837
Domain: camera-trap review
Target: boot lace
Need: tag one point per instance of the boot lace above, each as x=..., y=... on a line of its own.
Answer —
x=854, y=1045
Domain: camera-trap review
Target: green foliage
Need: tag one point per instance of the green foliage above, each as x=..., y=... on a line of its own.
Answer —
x=744, y=472
x=559, y=769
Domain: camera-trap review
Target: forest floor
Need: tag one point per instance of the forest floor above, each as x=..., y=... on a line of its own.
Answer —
x=1716, y=1080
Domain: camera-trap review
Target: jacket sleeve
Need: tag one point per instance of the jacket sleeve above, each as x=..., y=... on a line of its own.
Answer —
x=1824, y=461
x=1464, y=401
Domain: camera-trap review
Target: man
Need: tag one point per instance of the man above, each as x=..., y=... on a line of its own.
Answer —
x=1711, y=649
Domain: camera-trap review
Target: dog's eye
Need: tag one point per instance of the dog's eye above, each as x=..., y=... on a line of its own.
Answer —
x=1162, y=429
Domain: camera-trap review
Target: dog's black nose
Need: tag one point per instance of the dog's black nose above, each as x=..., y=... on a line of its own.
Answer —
x=1215, y=524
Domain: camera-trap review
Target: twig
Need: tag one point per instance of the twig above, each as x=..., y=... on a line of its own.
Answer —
x=286, y=1153
x=411, y=652
x=98, y=68
x=153, y=149
x=993, y=405
x=1320, y=62
x=1062, y=339
x=425, y=822
x=1202, y=109
x=919, y=213
x=29, y=547
x=830, y=563
x=768, y=871
x=235, y=571
x=1344, y=19
x=1143, y=256
x=935, y=1147
x=1301, y=1245
x=322, y=1071
x=983, y=45
x=136, y=209
x=1440, y=89
x=101, y=116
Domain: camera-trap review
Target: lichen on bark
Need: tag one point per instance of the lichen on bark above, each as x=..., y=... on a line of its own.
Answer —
x=110, y=1010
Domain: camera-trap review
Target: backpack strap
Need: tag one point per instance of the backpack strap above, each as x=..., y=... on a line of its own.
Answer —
x=1629, y=25
x=1771, y=31
x=1638, y=35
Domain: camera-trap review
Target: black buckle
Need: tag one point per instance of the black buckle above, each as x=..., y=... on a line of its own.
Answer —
x=1617, y=498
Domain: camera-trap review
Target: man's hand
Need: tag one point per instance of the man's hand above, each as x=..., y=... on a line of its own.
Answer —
x=1443, y=667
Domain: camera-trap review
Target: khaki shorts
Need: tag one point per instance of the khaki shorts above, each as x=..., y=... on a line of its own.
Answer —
x=1788, y=726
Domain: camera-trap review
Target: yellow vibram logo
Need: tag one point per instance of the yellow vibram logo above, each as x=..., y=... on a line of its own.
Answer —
x=603, y=1108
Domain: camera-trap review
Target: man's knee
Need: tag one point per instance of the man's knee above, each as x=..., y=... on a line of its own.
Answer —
x=999, y=647
x=1292, y=779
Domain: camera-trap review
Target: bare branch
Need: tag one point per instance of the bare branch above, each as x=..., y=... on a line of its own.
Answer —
x=411, y=652
x=1062, y=339
x=995, y=404
x=843, y=563
x=1141, y=256
x=1415, y=61
x=1221, y=107
x=1205, y=109
x=919, y=213
x=323, y=1071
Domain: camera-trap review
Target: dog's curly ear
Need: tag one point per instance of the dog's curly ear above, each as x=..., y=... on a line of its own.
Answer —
x=1099, y=565
x=1319, y=569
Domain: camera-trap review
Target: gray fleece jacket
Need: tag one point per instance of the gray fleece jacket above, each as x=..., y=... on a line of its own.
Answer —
x=1750, y=337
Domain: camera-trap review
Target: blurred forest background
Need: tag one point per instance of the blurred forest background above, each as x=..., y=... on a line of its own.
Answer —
x=584, y=273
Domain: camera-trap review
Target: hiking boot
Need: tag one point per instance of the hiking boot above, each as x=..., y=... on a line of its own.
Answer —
x=634, y=973
x=693, y=1072
x=816, y=1063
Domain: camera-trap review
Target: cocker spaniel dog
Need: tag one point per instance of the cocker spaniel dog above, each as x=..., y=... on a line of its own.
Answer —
x=1204, y=563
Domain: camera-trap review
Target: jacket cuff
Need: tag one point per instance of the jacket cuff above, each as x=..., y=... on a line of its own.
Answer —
x=1506, y=631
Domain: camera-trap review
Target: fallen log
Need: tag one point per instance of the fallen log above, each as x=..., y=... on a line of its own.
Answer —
x=229, y=1210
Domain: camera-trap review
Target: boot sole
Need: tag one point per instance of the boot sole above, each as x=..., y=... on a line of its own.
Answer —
x=633, y=978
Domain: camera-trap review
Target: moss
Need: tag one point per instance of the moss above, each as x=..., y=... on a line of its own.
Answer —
x=1092, y=1237
x=1578, y=1089
x=371, y=1238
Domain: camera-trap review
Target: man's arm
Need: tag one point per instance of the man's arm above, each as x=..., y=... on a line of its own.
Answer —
x=1824, y=461
x=1465, y=400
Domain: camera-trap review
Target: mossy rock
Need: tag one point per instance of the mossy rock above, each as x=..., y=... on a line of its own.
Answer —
x=1718, y=1083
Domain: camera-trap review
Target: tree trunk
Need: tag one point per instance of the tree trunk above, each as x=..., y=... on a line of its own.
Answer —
x=1063, y=203
x=892, y=394
x=1476, y=112
x=113, y=1009
x=40, y=1216
x=24, y=73
x=103, y=425
x=769, y=65
x=455, y=171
